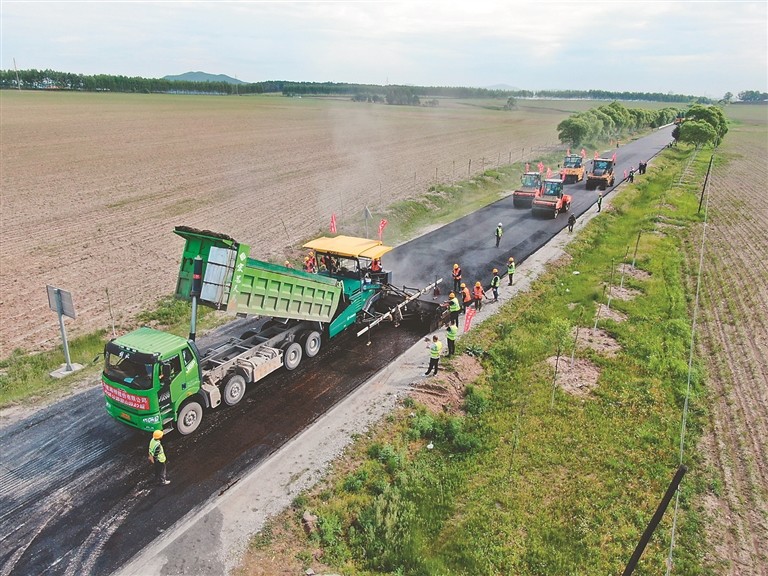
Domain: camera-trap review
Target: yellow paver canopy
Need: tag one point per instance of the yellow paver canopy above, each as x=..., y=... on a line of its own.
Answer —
x=349, y=246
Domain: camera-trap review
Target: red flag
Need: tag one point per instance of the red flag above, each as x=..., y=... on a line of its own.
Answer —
x=613, y=157
x=333, y=223
x=596, y=155
x=549, y=172
x=468, y=318
x=382, y=225
x=541, y=167
x=625, y=174
x=568, y=153
x=527, y=167
x=583, y=153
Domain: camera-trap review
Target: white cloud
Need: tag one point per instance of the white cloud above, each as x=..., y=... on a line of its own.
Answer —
x=720, y=45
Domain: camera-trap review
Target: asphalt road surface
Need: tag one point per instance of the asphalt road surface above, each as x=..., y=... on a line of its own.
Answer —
x=76, y=491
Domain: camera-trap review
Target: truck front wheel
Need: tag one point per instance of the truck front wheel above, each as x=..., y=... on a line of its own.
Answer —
x=190, y=416
x=234, y=390
x=292, y=356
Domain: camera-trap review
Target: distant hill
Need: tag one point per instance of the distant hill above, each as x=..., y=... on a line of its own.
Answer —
x=204, y=77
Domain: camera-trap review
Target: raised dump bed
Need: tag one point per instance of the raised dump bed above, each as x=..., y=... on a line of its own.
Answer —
x=242, y=285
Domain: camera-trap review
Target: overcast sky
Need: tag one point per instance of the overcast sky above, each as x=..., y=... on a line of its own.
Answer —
x=686, y=47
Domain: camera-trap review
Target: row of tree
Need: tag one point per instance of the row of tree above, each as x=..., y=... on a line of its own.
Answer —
x=702, y=125
x=611, y=121
x=51, y=79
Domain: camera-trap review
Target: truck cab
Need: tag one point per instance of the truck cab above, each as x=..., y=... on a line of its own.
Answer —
x=147, y=376
x=530, y=185
x=552, y=200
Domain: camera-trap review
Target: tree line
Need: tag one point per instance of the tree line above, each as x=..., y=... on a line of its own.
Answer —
x=701, y=126
x=611, y=121
x=50, y=79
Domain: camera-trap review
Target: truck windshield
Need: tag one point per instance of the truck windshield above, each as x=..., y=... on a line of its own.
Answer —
x=132, y=371
x=530, y=180
x=601, y=165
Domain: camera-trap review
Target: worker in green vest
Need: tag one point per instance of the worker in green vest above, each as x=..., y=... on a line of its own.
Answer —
x=434, y=354
x=511, y=270
x=454, y=307
x=450, y=335
x=498, y=233
x=495, y=281
x=157, y=457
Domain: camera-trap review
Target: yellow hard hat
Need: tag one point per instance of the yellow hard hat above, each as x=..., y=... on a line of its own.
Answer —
x=451, y=295
x=463, y=285
x=495, y=271
x=287, y=262
x=455, y=265
x=511, y=259
x=157, y=434
x=478, y=284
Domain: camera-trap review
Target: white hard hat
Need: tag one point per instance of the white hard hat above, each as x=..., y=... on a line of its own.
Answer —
x=499, y=223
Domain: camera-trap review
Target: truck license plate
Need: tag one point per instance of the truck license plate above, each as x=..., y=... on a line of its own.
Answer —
x=125, y=416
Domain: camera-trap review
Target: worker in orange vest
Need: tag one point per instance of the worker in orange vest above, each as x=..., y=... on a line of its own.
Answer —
x=466, y=297
x=375, y=265
x=479, y=293
x=456, y=277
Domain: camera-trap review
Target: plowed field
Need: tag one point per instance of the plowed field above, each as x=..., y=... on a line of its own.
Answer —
x=92, y=184
x=734, y=339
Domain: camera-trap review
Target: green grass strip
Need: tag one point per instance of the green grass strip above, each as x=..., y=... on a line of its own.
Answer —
x=534, y=480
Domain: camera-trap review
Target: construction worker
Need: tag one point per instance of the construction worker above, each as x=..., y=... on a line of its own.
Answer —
x=157, y=457
x=495, y=281
x=450, y=336
x=511, y=270
x=375, y=265
x=499, y=232
x=454, y=307
x=288, y=264
x=434, y=354
x=571, y=222
x=312, y=262
x=599, y=201
x=466, y=297
x=479, y=293
x=456, y=277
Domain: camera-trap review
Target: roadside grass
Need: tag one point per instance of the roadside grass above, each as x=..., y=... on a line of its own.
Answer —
x=26, y=376
x=533, y=480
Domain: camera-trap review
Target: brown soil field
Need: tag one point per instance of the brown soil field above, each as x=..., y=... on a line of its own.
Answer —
x=733, y=332
x=93, y=184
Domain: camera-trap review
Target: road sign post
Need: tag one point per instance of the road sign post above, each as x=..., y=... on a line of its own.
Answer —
x=60, y=301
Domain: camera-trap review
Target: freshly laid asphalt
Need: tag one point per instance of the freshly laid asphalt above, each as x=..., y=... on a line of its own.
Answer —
x=76, y=494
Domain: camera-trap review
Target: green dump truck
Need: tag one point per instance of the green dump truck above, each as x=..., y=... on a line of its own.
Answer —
x=153, y=380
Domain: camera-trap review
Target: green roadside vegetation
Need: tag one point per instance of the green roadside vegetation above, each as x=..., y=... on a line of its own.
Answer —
x=530, y=479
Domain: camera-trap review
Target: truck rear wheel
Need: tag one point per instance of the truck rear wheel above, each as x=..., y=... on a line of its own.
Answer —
x=292, y=356
x=555, y=213
x=312, y=343
x=190, y=416
x=234, y=390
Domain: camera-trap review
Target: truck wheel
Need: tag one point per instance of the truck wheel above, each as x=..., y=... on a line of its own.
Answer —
x=567, y=206
x=292, y=356
x=234, y=390
x=555, y=213
x=190, y=416
x=312, y=344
